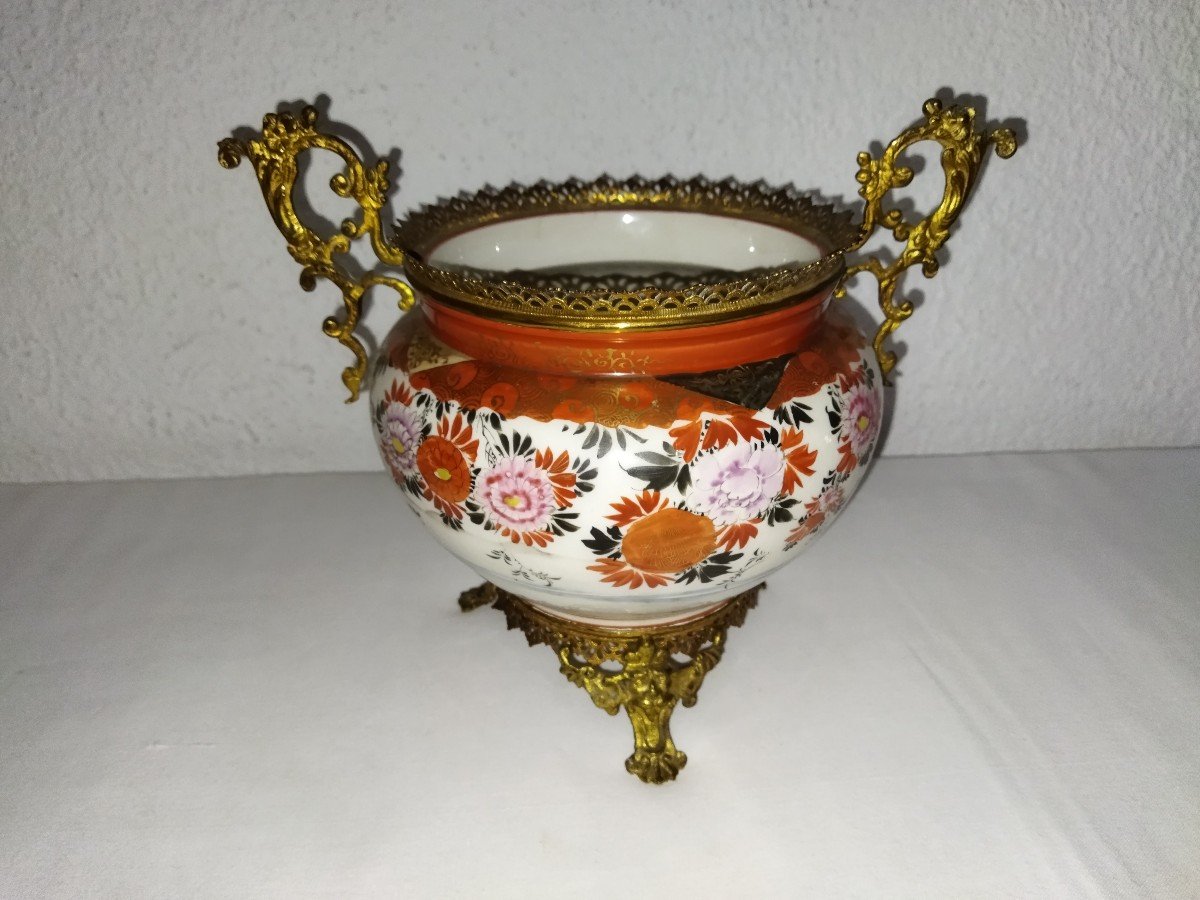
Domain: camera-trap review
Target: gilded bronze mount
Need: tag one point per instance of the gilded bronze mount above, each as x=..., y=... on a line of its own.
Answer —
x=634, y=668
x=284, y=137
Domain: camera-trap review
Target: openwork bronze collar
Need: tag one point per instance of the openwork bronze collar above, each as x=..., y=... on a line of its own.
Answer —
x=656, y=302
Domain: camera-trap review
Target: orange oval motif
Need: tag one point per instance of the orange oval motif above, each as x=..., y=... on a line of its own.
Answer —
x=575, y=411
x=459, y=375
x=501, y=396
x=635, y=395
x=669, y=540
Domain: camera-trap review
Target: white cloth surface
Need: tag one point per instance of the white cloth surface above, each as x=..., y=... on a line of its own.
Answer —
x=984, y=681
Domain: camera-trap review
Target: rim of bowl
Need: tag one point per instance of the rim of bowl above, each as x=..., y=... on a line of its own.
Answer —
x=574, y=305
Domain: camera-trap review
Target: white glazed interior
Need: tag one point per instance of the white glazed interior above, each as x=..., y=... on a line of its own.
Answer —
x=626, y=241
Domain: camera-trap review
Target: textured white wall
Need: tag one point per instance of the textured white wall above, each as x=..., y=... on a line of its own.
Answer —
x=151, y=324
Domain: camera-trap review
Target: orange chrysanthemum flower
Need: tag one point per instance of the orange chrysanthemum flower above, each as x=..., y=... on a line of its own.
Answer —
x=445, y=469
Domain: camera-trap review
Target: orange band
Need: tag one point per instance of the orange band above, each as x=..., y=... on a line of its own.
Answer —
x=670, y=351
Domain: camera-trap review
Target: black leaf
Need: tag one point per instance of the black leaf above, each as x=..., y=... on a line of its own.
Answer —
x=522, y=444
x=657, y=478
x=600, y=543
x=684, y=480
x=562, y=523
x=778, y=514
x=709, y=571
x=800, y=413
x=657, y=459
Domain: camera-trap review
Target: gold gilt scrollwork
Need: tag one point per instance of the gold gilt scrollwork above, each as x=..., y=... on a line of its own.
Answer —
x=638, y=669
x=274, y=157
x=962, y=154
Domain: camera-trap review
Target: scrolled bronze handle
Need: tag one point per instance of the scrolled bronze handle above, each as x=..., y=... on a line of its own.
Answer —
x=274, y=156
x=962, y=154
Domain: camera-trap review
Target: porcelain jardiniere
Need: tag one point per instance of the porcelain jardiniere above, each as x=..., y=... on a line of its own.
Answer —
x=624, y=403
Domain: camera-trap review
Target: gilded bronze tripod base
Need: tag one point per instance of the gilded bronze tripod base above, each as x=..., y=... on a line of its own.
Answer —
x=647, y=679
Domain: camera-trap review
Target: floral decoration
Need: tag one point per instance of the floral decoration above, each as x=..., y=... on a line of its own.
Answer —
x=704, y=496
x=444, y=460
x=517, y=495
x=525, y=493
x=653, y=543
x=400, y=430
x=862, y=406
x=736, y=483
x=817, y=510
x=854, y=411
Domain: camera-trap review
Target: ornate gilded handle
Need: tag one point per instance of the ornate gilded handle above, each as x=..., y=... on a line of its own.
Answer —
x=274, y=156
x=962, y=154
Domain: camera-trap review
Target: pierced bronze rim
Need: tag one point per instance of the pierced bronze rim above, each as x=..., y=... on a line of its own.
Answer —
x=652, y=306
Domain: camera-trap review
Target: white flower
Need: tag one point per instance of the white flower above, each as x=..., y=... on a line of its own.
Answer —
x=736, y=482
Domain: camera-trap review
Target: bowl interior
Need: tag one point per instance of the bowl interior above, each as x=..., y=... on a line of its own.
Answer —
x=630, y=242
x=624, y=255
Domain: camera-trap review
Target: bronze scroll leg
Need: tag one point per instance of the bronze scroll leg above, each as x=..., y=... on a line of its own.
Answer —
x=643, y=674
x=473, y=598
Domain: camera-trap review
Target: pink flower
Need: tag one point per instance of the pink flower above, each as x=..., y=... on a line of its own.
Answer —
x=828, y=502
x=517, y=494
x=861, y=423
x=736, y=482
x=401, y=434
x=817, y=510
